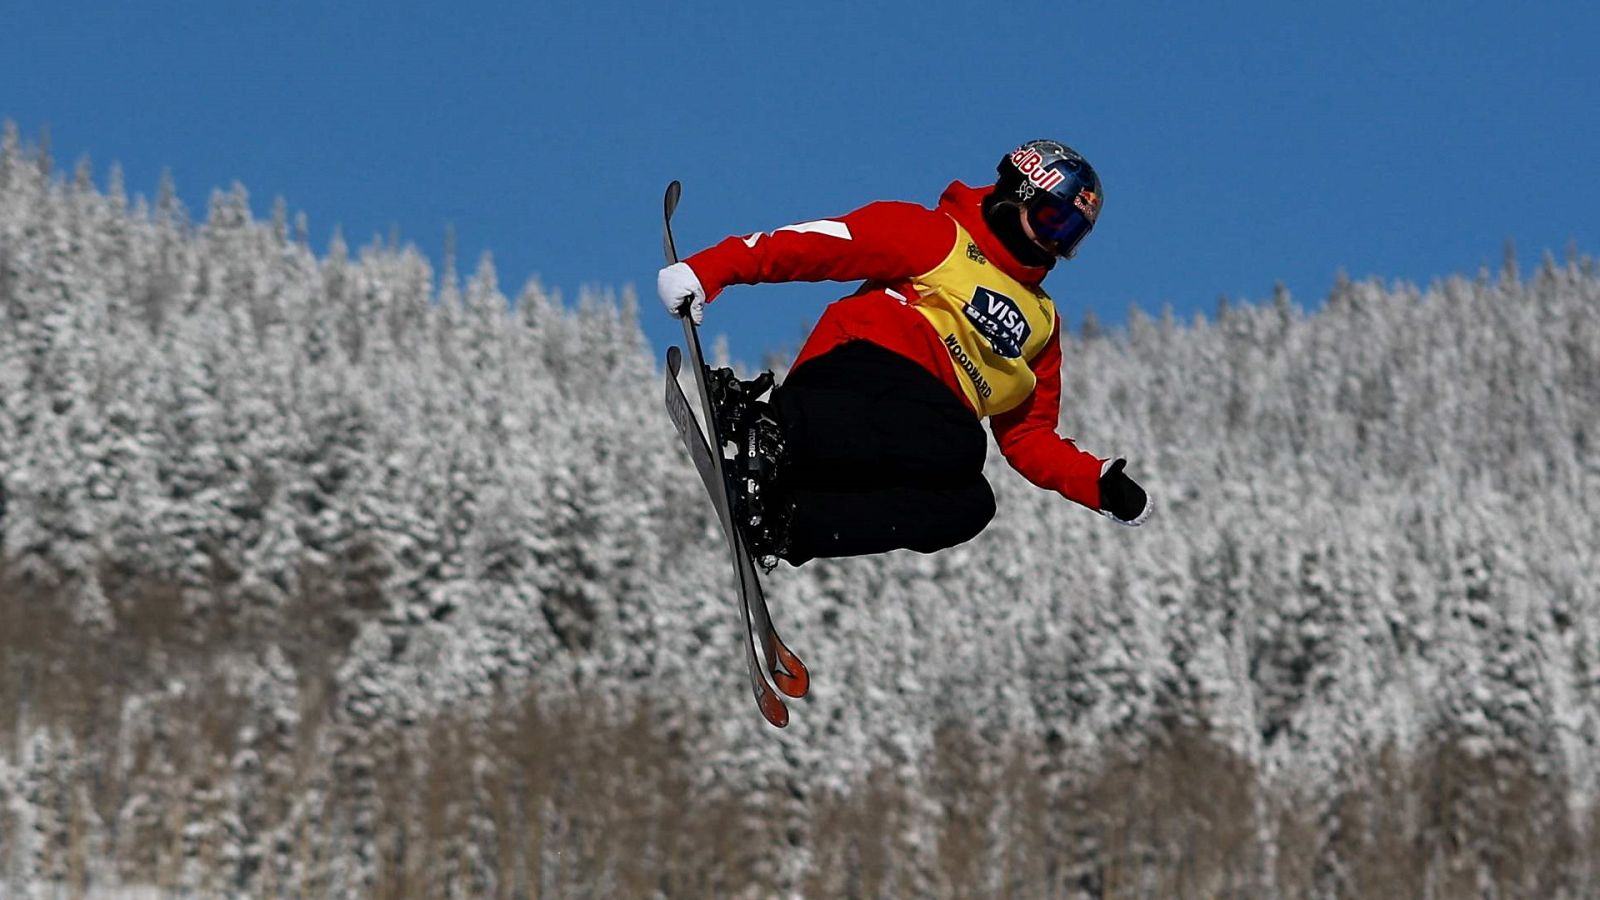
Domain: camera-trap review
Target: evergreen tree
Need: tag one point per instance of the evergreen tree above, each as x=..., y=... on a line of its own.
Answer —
x=323, y=518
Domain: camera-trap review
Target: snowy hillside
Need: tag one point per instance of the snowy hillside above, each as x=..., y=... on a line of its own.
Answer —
x=336, y=575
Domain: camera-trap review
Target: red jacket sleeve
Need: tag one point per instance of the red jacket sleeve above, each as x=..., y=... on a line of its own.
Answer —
x=1028, y=439
x=883, y=241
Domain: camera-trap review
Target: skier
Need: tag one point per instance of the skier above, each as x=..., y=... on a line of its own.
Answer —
x=872, y=443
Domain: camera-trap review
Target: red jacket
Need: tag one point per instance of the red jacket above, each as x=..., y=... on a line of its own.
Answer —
x=888, y=244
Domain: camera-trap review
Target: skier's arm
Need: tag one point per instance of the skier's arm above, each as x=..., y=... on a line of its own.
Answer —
x=1028, y=439
x=883, y=241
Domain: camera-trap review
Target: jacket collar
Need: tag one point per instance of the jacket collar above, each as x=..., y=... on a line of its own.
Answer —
x=965, y=204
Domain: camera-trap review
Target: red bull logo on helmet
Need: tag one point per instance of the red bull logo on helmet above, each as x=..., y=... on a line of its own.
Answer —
x=1088, y=203
x=1031, y=163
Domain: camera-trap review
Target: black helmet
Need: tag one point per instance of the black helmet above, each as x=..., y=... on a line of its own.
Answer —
x=1056, y=187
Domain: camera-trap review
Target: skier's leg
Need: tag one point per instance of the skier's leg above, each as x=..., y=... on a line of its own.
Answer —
x=830, y=523
x=861, y=416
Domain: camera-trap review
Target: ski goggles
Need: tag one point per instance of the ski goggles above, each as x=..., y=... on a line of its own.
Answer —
x=1063, y=222
x=1062, y=218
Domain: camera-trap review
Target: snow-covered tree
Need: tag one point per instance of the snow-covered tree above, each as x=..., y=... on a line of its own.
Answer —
x=401, y=580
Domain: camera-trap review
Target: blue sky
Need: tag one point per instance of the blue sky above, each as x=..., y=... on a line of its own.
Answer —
x=1240, y=143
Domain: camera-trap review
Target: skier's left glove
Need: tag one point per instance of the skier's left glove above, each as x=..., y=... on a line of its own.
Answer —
x=681, y=292
x=1122, y=500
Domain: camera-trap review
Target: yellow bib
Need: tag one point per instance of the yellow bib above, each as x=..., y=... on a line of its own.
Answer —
x=991, y=323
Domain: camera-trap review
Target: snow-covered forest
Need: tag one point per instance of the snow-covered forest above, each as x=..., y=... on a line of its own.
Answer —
x=325, y=572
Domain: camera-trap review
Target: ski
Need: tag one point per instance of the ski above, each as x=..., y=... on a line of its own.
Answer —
x=765, y=653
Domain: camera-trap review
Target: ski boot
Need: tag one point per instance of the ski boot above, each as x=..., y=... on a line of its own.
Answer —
x=761, y=507
x=734, y=401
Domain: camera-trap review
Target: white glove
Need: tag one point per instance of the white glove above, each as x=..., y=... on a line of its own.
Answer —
x=681, y=292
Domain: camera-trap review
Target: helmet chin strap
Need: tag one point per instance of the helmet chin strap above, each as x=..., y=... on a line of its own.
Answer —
x=1005, y=219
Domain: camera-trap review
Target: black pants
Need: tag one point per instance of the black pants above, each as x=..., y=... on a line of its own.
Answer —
x=882, y=456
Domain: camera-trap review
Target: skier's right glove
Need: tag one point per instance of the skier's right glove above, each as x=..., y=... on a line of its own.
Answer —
x=681, y=292
x=1122, y=500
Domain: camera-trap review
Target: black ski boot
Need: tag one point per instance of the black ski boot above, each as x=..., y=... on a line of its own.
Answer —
x=734, y=401
x=761, y=507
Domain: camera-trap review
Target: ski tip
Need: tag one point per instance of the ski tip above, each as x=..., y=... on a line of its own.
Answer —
x=773, y=709
x=674, y=191
x=674, y=360
x=791, y=677
x=794, y=686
